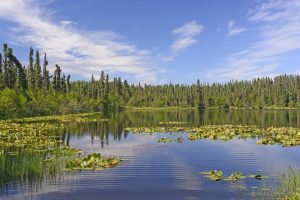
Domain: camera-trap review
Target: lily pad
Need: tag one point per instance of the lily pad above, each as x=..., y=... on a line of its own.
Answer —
x=214, y=175
x=236, y=176
x=164, y=140
x=257, y=176
x=92, y=161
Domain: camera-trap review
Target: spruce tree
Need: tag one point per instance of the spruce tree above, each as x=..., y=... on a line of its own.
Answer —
x=37, y=72
x=45, y=77
x=30, y=71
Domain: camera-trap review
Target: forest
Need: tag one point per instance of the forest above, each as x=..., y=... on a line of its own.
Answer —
x=32, y=90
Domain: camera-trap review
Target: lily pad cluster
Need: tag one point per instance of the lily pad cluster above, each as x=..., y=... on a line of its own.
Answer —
x=37, y=137
x=214, y=175
x=166, y=140
x=217, y=175
x=285, y=136
x=172, y=123
x=81, y=117
x=93, y=161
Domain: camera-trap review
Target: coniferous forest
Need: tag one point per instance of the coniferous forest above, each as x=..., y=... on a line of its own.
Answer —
x=32, y=91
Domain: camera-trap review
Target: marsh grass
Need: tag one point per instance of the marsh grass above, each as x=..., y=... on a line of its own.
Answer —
x=288, y=188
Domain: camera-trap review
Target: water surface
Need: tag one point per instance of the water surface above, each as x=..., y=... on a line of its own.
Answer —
x=152, y=170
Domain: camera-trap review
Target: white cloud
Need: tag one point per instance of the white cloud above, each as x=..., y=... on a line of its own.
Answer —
x=67, y=23
x=186, y=36
x=278, y=33
x=78, y=52
x=233, y=30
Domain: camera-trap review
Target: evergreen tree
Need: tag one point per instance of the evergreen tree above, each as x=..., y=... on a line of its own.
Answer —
x=37, y=72
x=30, y=71
x=45, y=78
x=106, y=93
x=57, y=78
x=1, y=74
x=5, y=67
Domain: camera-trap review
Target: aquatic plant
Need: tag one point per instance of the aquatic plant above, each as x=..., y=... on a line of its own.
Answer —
x=257, y=176
x=91, y=162
x=236, y=176
x=217, y=175
x=285, y=136
x=164, y=140
x=31, y=169
x=172, y=123
x=37, y=137
x=213, y=175
x=289, y=186
x=80, y=117
x=179, y=140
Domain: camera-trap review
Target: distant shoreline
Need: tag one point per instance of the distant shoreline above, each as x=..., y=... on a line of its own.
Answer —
x=210, y=108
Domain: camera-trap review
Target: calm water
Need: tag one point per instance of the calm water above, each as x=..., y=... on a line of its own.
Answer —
x=152, y=170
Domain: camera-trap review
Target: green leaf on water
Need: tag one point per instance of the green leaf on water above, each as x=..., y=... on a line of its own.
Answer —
x=257, y=176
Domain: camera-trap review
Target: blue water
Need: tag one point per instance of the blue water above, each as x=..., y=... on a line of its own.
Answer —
x=153, y=170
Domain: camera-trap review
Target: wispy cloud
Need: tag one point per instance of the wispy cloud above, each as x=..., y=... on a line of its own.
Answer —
x=277, y=34
x=233, y=30
x=186, y=36
x=79, y=52
x=67, y=23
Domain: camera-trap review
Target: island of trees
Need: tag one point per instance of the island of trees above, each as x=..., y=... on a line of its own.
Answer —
x=31, y=90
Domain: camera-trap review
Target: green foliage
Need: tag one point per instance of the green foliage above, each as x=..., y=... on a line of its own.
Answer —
x=285, y=136
x=235, y=176
x=164, y=140
x=289, y=187
x=29, y=137
x=214, y=175
x=217, y=175
x=91, y=162
x=11, y=103
x=45, y=94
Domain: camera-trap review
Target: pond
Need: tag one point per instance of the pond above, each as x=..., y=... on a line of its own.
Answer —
x=150, y=169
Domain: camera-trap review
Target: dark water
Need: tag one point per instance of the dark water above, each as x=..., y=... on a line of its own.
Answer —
x=152, y=170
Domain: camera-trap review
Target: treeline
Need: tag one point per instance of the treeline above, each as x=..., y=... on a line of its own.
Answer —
x=32, y=90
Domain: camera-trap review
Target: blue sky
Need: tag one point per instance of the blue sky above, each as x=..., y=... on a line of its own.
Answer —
x=158, y=41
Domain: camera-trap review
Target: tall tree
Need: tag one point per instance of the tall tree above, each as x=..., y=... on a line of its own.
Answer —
x=37, y=72
x=1, y=73
x=57, y=78
x=45, y=77
x=30, y=71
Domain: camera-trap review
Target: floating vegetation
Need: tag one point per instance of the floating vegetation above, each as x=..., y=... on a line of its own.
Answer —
x=285, y=136
x=81, y=117
x=164, y=140
x=148, y=130
x=67, y=150
x=179, y=140
x=213, y=175
x=217, y=175
x=37, y=137
x=91, y=162
x=257, y=176
x=236, y=176
x=172, y=123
